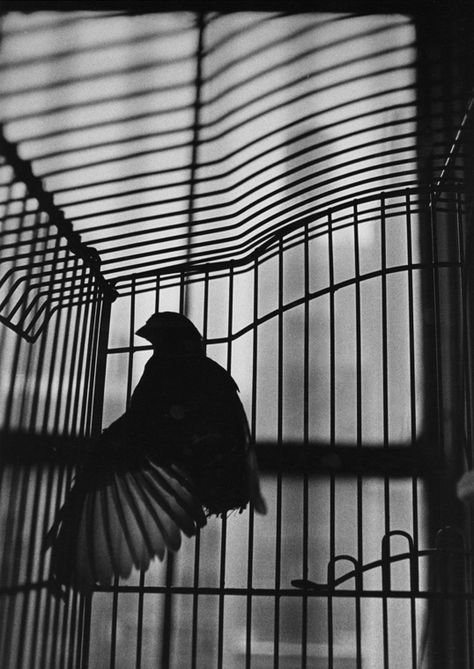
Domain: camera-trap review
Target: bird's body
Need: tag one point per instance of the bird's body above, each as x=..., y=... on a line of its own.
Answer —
x=181, y=451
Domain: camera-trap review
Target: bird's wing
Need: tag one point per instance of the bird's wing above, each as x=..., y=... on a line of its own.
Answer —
x=225, y=464
x=113, y=522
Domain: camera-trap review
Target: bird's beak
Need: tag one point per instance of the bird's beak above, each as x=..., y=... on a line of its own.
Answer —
x=143, y=332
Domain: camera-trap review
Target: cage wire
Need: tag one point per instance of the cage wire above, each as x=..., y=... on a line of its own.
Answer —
x=298, y=185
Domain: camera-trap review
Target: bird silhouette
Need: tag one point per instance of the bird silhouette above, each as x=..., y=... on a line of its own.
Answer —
x=181, y=452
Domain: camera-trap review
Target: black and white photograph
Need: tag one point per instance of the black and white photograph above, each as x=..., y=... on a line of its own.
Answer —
x=236, y=334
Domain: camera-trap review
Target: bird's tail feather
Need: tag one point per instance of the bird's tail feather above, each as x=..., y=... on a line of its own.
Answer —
x=123, y=521
x=256, y=496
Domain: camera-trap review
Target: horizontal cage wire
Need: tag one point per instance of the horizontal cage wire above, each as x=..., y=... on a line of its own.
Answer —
x=249, y=125
x=297, y=185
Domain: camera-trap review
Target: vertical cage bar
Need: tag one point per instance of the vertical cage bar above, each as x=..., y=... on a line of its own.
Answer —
x=140, y=602
x=170, y=558
x=54, y=347
x=81, y=658
x=157, y=293
x=44, y=340
x=82, y=325
x=358, y=353
x=86, y=603
x=279, y=446
x=97, y=427
x=438, y=609
x=222, y=568
x=41, y=607
x=253, y=430
x=114, y=624
x=195, y=605
x=437, y=343
x=67, y=360
x=30, y=576
x=465, y=582
x=96, y=370
x=197, y=541
x=332, y=428
x=131, y=350
x=465, y=310
x=131, y=336
x=101, y=367
x=80, y=350
x=130, y=365
x=385, y=411
x=90, y=371
x=168, y=612
x=72, y=605
x=467, y=410
x=413, y=436
x=305, y=515
x=19, y=490
x=64, y=474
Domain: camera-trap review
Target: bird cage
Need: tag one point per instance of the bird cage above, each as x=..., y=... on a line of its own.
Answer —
x=296, y=183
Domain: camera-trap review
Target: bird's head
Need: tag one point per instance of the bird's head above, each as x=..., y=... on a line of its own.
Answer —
x=171, y=333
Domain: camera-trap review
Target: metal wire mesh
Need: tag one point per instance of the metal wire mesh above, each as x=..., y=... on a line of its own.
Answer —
x=170, y=139
x=263, y=174
x=355, y=489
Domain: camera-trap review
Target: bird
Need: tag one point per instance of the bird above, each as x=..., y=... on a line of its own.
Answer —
x=181, y=452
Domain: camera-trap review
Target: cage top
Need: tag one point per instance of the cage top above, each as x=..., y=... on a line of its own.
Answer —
x=180, y=138
x=410, y=7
